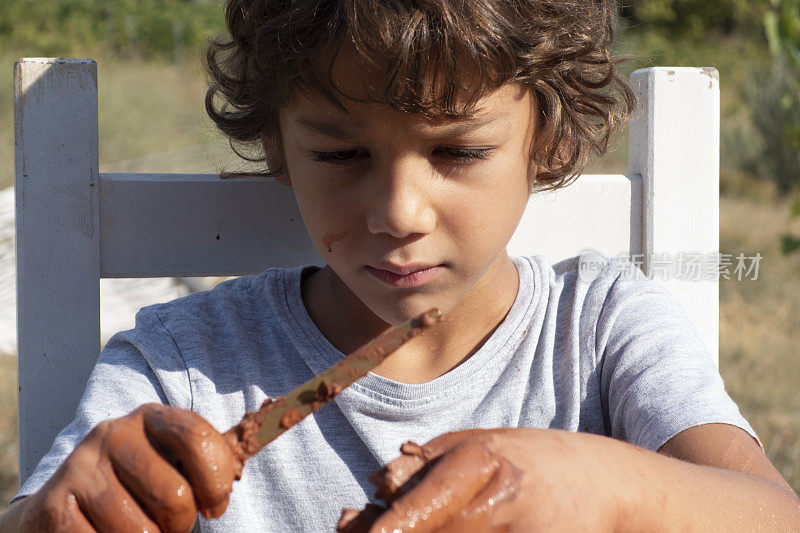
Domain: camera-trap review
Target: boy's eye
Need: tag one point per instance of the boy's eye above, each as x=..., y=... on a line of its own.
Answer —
x=464, y=155
x=335, y=158
x=455, y=155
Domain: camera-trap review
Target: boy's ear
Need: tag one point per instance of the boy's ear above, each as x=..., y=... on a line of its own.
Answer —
x=534, y=169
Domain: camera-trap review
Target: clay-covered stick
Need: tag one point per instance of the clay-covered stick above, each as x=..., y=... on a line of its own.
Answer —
x=261, y=427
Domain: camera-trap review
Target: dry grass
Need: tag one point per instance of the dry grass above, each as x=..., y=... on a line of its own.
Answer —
x=151, y=119
x=9, y=480
x=760, y=329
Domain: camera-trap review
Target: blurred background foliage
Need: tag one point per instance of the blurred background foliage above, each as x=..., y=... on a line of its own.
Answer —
x=151, y=119
x=753, y=43
x=125, y=28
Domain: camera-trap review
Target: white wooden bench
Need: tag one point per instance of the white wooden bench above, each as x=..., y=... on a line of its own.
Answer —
x=75, y=225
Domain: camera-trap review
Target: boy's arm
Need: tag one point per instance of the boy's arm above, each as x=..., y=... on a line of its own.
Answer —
x=723, y=446
x=722, y=481
x=11, y=519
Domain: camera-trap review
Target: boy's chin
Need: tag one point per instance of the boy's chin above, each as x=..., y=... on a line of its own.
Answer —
x=409, y=308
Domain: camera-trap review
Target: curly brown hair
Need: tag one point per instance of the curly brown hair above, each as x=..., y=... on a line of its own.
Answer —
x=560, y=49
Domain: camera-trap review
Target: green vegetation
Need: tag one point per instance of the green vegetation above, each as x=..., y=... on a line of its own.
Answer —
x=761, y=97
x=782, y=28
x=124, y=28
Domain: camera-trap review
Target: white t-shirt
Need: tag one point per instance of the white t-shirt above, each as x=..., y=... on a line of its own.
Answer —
x=611, y=353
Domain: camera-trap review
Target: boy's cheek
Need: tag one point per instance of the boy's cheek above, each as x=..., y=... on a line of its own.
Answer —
x=330, y=238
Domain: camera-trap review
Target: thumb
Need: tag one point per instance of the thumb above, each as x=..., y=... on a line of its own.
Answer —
x=448, y=488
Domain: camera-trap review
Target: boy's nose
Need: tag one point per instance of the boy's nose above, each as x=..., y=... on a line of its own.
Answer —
x=400, y=204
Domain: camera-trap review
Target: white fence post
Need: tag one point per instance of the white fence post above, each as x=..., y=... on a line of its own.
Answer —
x=58, y=291
x=674, y=145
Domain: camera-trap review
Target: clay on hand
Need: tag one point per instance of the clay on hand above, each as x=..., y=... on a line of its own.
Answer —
x=153, y=469
x=425, y=510
x=486, y=480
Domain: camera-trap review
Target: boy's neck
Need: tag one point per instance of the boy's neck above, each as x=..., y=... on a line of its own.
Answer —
x=463, y=331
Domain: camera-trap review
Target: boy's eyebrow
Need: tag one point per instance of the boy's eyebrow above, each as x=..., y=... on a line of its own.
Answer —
x=338, y=131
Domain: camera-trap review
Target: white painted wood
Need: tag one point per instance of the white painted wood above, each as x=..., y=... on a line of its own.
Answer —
x=58, y=244
x=184, y=214
x=596, y=212
x=198, y=225
x=674, y=145
x=119, y=298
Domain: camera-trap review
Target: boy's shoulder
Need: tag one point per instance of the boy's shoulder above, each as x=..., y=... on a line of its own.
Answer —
x=602, y=284
x=239, y=289
x=591, y=265
x=594, y=275
x=237, y=319
x=239, y=299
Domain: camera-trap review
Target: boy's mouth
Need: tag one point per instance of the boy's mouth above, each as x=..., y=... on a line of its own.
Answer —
x=404, y=276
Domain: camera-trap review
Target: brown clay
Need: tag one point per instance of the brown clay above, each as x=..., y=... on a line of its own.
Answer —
x=389, y=479
x=170, y=430
x=330, y=238
x=243, y=437
x=484, y=483
x=290, y=418
x=326, y=392
x=355, y=521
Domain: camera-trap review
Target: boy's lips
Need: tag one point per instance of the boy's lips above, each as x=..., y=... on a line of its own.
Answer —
x=404, y=276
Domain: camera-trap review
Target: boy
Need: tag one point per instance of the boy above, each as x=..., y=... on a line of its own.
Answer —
x=411, y=136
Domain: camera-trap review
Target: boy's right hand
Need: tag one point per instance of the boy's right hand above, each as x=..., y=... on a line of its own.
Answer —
x=148, y=471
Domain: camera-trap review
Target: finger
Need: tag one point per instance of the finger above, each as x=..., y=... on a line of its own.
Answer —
x=110, y=507
x=401, y=475
x=355, y=521
x=200, y=452
x=479, y=514
x=449, y=486
x=59, y=514
x=390, y=478
x=161, y=490
x=447, y=441
x=75, y=522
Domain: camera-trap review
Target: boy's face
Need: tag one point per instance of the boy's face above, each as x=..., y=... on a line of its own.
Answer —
x=410, y=213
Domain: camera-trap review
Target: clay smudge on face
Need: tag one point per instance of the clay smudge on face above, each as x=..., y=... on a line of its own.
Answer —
x=330, y=238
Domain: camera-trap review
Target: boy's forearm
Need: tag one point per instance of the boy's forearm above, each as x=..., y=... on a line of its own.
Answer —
x=11, y=518
x=674, y=495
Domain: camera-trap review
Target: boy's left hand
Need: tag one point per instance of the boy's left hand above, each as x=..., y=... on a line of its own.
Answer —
x=477, y=480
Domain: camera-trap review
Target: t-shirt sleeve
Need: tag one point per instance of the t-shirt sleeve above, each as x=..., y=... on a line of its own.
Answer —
x=122, y=380
x=657, y=377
